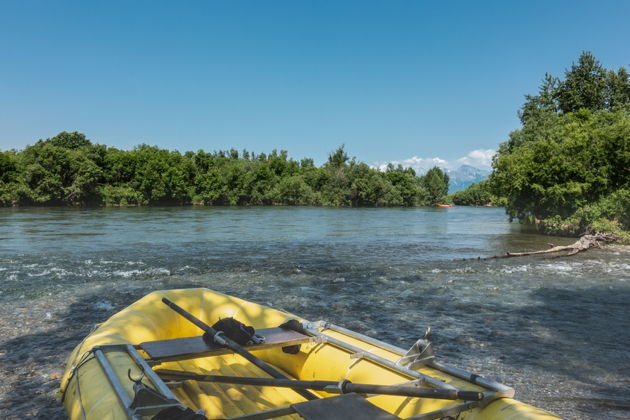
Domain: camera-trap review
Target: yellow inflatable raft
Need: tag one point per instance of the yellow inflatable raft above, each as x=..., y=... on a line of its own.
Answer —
x=150, y=361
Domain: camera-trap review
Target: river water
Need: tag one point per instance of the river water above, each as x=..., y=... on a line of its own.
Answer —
x=555, y=329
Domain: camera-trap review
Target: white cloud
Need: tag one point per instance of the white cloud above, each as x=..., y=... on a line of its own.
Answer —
x=415, y=162
x=480, y=158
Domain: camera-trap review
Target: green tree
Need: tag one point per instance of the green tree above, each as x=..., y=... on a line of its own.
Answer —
x=584, y=85
x=617, y=90
x=338, y=158
x=405, y=182
x=8, y=167
x=293, y=190
x=435, y=183
x=60, y=175
x=371, y=188
x=74, y=140
x=545, y=102
x=211, y=188
x=12, y=187
x=337, y=188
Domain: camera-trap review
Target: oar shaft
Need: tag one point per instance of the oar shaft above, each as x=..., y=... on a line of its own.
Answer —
x=331, y=386
x=199, y=323
x=232, y=345
x=245, y=380
x=407, y=391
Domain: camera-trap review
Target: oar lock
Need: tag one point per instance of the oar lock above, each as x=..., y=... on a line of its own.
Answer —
x=145, y=397
x=419, y=354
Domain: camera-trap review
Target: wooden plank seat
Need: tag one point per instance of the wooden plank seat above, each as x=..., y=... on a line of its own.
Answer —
x=194, y=347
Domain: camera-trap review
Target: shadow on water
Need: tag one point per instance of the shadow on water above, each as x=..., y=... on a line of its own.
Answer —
x=583, y=324
x=31, y=365
x=571, y=344
x=579, y=335
x=587, y=329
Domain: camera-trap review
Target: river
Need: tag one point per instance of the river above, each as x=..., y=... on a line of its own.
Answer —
x=555, y=329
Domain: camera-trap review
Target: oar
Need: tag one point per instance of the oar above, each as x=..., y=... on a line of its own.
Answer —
x=331, y=387
x=222, y=340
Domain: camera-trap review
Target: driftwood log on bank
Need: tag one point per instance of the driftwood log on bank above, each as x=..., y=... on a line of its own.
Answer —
x=585, y=242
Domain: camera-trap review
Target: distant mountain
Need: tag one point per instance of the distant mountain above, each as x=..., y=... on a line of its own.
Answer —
x=462, y=177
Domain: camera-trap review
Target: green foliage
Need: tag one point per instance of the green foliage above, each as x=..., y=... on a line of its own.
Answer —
x=406, y=185
x=121, y=195
x=610, y=214
x=56, y=174
x=584, y=86
x=293, y=190
x=338, y=158
x=370, y=187
x=587, y=85
x=69, y=170
x=567, y=170
x=8, y=166
x=478, y=194
x=67, y=140
x=554, y=169
x=12, y=188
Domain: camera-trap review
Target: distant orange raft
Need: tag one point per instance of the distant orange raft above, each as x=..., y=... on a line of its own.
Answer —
x=443, y=206
x=148, y=361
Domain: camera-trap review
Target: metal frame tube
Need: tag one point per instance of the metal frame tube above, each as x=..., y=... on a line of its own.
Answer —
x=124, y=399
x=150, y=373
x=451, y=370
x=382, y=361
x=505, y=390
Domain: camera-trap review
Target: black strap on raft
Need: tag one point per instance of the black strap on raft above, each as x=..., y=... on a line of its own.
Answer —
x=295, y=325
x=235, y=330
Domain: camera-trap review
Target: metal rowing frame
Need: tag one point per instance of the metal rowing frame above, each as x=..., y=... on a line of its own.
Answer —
x=312, y=328
x=137, y=412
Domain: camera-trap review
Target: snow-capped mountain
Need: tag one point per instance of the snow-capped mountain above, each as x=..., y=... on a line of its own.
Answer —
x=462, y=177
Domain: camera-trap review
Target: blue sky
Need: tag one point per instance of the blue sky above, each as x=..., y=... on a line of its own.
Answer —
x=397, y=81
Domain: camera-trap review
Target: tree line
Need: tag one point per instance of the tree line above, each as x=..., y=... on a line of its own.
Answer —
x=68, y=169
x=567, y=169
